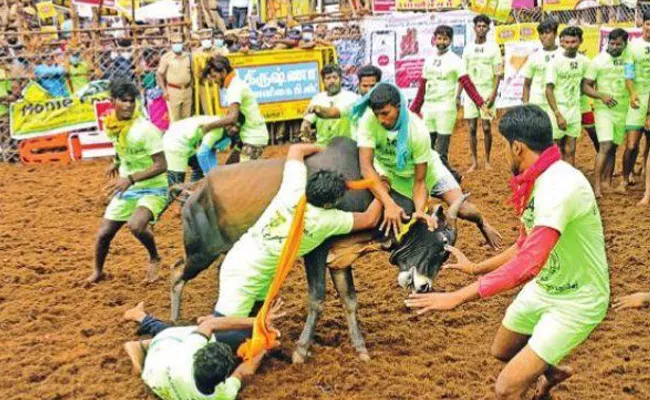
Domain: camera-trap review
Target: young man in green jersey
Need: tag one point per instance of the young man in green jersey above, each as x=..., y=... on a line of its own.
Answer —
x=564, y=77
x=484, y=64
x=637, y=115
x=609, y=81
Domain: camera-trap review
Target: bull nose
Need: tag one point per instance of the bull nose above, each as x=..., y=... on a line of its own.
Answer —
x=405, y=279
x=425, y=288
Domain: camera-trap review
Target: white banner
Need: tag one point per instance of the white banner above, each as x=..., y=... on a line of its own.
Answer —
x=398, y=43
x=512, y=86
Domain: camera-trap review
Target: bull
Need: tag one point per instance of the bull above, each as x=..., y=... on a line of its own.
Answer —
x=233, y=197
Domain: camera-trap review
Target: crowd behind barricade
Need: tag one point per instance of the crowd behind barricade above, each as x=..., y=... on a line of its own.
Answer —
x=65, y=61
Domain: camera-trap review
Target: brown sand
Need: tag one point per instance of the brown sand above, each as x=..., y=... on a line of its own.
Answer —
x=62, y=341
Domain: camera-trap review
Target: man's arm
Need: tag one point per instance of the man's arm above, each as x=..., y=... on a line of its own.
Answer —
x=326, y=112
x=299, y=152
x=230, y=118
x=369, y=218
x=416, y=104
x=212, y=324
x=307, y=45
x=526, y=94
x=589, y=88
x=393, y=213
x=552, y=103
x=159, y=166
x=161, y=79
x=420, y=193
x=530, y=259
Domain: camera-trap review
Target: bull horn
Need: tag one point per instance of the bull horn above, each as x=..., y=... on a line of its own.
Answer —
x=452, y=213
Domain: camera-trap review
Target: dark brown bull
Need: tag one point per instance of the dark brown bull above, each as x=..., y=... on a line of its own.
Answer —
x=233, y=197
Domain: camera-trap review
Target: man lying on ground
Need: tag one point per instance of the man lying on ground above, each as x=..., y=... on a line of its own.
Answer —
x=194, y=362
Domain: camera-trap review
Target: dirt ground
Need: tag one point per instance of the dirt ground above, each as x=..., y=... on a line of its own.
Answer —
x=63, y=341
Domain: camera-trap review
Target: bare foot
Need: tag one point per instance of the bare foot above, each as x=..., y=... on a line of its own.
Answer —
x=136, y=313
x=95, y=277
x=152, y=270
x=472, y=168
x=546, y=384
x=622, y=188
x=488, y=166
x=644, y=201
x=136, y=354
x=631, y=180
x=598, y=194
x=605, y=187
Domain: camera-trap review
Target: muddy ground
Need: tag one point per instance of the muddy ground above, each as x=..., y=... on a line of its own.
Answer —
x=63, y=341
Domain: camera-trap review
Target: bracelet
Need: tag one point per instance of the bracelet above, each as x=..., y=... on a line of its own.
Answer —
x=130, y=178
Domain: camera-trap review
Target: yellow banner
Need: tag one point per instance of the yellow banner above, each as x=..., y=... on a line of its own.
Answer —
x=590, y=40
x=284, y=81
x=427, y=4
x=276, y=9
x=46, y=10
x=46, y=117
x=495, y=9
x=526, y=32
x=559, y=5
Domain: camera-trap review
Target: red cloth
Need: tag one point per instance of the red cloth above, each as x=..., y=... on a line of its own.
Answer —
x=522, y=184
x=530, y=259
x=588, y=118
x=470, y=89
x=416, y=104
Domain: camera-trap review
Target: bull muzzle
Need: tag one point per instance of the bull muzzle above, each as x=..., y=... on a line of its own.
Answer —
x=414, y=281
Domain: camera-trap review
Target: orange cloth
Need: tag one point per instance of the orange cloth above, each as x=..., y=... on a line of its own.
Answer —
x=264, y=339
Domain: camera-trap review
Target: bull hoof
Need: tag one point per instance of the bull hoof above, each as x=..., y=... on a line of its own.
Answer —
x=299, y=356
x=363, y=355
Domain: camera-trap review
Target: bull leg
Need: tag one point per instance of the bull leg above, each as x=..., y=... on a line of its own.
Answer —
x=178, y=283
x=315, y=269
x=344, y=284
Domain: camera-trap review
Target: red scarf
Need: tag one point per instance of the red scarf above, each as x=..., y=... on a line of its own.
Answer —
x=522, y=184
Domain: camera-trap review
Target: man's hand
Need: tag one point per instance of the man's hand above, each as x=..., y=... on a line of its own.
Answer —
x=165, y=95
x=462, y=263
x=561, y=122
x=393, y=216
x=273, y=314
x=634, y=101
x=608, y=100
x=431, y=221
x=314, y=109
x=485, y=109
x=113, y=170
x=119, y=185
x=491, y=235
x=636, y=300
x=458, y=102
x=425, y=302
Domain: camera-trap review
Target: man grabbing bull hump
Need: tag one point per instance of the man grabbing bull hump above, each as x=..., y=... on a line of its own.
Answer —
x=559, y=256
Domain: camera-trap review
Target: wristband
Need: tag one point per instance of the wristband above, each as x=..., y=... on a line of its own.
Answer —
x=130, y=178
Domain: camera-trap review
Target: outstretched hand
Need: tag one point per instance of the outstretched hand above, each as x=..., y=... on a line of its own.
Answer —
x=425, y=302
x=393, y=216
x=462, y=263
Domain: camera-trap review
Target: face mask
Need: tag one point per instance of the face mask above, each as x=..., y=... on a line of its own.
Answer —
x=74, y=60
x=218, y=42
x=308, y=36
x=177, y=47
x=206, y=44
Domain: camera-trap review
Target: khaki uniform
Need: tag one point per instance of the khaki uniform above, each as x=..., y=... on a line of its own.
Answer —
x=206, y=90
x=176, y=69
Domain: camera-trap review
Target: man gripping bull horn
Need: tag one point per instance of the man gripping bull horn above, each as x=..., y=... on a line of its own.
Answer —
x=561, y=247
x=394, y=143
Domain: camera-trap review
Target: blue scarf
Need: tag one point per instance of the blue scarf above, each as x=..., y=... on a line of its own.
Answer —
x=401, y=125
x=133, y=194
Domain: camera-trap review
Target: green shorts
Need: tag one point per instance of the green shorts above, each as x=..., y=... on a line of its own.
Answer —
x=470, y=111
x=441, y=122
x=636, y=118
x=556, y=324
x=120, y=209
x=573, y=129
x=610, y=125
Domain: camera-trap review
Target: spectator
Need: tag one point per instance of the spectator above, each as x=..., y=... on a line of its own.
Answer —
x=267, y=38
x=220, y=47
x=49, y=74
x=78, y=72
x=321, y=31
x=238, y=13
x=174, y=77
x=122, y=60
